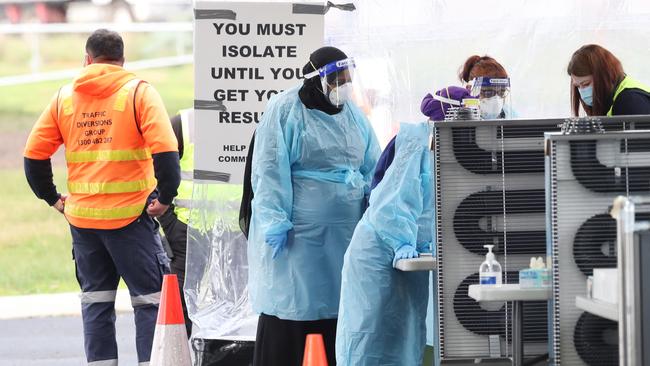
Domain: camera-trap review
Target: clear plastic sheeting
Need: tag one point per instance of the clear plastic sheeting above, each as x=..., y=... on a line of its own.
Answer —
x=404, y=50
x=217, y=268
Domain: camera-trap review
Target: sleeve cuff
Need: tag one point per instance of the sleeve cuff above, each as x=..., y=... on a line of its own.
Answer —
x=165, y=199
x=279, y=228
x=51, y=200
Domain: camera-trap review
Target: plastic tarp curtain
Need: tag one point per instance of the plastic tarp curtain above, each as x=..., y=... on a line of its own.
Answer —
x=217, y=269
x=404, y=50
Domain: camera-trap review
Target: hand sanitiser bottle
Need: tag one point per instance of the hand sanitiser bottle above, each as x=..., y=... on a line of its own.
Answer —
x=490, y=270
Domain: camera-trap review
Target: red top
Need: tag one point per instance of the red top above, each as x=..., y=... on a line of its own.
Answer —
x=170, y=310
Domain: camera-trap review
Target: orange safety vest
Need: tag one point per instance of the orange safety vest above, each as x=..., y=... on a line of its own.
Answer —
x=110, y=169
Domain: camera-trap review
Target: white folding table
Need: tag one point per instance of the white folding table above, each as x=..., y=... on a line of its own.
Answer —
x=511, y=292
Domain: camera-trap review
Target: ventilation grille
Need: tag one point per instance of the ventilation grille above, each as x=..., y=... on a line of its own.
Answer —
x=490, y=184
x=586, y=172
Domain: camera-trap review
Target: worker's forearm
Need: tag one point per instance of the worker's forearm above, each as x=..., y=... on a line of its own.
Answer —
x=41, y=180
x=168, y=173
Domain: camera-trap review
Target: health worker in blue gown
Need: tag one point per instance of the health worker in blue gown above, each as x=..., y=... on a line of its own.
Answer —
x=383, y=310
x=313, y=161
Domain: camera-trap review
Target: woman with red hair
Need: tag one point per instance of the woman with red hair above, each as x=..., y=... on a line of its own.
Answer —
x=481, y=66
x=601, y=87
x=489, y=80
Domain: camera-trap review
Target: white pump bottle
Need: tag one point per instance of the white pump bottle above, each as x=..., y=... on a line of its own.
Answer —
x=490, y=270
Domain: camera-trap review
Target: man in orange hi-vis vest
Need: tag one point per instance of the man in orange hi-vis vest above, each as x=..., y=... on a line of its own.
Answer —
x=119, y=146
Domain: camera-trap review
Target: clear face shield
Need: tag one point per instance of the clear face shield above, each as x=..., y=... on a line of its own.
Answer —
x=494, y=97
x=336, y=80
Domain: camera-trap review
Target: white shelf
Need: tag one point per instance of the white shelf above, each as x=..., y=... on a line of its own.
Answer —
x=425, y=262
x=603, y=309
x=509, y=292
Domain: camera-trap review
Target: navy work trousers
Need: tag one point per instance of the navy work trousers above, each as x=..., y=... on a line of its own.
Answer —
x=134, y=253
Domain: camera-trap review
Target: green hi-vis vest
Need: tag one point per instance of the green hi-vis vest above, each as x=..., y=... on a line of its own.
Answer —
x=627, y=83
x=183, y=200
x=202, y=204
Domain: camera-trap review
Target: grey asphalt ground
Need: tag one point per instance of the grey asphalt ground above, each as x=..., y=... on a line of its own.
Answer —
x=57, y=341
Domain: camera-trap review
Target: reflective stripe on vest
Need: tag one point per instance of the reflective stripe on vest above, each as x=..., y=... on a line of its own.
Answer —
x=110, y=187
x=183, y=201
x=66, y=103
x=107, y=155
x=627, y=83
x=104, y=213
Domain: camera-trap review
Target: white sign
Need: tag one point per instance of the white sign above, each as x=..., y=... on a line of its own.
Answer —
x=244, y=53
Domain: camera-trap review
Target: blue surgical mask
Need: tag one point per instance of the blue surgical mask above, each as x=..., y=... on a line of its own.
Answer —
x=586, y=94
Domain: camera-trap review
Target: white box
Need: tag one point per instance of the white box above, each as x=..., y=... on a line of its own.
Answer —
x=605, y=287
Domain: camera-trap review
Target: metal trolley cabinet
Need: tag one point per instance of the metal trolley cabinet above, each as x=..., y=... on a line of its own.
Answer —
x=585, y=173
x=633, y=245
x=489, y=190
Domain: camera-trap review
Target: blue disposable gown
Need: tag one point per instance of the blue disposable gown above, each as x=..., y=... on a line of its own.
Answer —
x=310, y=176
x=383, y=310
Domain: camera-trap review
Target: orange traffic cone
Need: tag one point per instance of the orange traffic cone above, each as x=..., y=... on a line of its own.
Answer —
x=170, y=347
x=314, y=351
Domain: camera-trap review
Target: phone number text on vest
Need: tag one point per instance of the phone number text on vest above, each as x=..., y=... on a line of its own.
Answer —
x=96, y=128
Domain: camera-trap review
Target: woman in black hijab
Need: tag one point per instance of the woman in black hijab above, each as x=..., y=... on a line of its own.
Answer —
x=313, y=161
x=311, y=93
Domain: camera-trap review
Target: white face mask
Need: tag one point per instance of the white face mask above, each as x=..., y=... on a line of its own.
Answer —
x=491, y=107
x=341, y=94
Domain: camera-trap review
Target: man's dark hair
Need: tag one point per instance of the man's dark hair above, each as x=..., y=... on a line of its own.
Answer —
x=105, y=45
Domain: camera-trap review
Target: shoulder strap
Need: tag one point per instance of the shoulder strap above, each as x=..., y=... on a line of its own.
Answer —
x=123, y=95
x=65, y=100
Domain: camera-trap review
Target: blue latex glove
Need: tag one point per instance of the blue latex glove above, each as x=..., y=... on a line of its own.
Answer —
x=277, y=242
x=406, y=251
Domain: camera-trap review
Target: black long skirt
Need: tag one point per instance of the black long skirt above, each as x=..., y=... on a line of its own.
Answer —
x=282, y=342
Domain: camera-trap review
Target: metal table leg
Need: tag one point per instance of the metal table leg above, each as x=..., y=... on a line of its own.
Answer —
x=517, y=333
